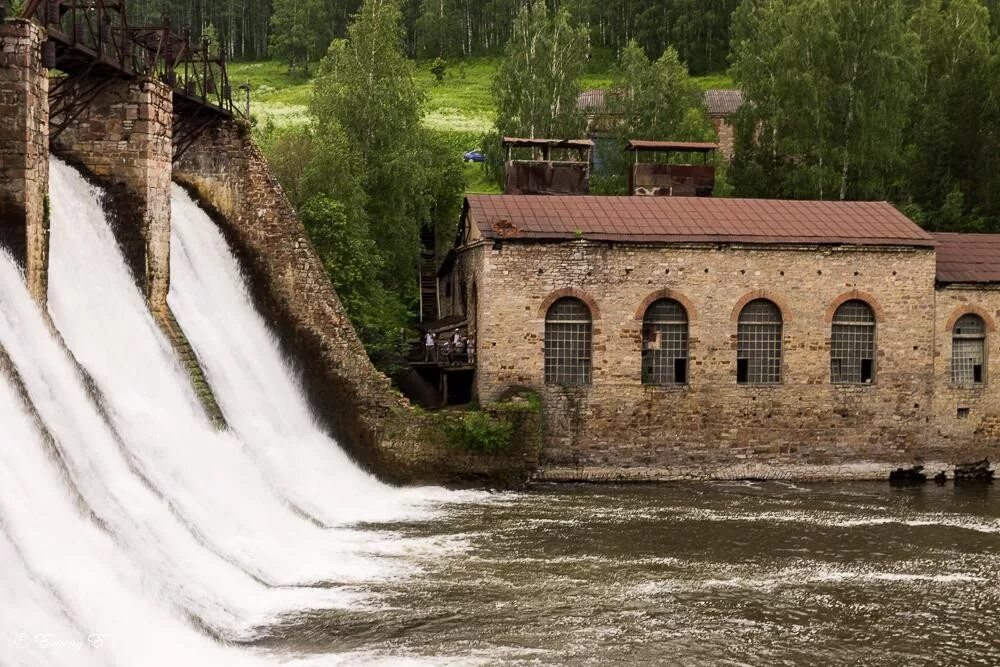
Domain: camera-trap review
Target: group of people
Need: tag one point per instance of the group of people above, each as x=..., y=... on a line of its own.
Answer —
x=455, y=348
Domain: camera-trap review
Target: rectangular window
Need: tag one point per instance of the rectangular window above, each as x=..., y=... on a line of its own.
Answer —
x=680, y=371
x=867, y=366
x=742, y=370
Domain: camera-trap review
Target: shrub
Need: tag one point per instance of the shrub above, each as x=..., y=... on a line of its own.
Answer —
x=479, y=432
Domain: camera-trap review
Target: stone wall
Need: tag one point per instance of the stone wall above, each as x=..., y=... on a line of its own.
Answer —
x=804, y=427
x=356, y=403
x=726, y=135
x=967, y=418
x=24, y=166
x=123, y=139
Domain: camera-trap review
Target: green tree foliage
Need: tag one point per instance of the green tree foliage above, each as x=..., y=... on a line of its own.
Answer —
x=872, y=99
x=951, y=145
x=439, y=29
x=366, y=176
x=365, y=85
x=828, y=86
x=298, y=34
x=653, y=99
x=537, y=84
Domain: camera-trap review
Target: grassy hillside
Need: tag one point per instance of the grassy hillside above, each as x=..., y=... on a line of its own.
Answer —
x=460, y=105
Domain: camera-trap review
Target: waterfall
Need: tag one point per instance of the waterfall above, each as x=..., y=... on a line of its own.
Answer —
x=257, y=390
x=131, y=528
x=71, y=593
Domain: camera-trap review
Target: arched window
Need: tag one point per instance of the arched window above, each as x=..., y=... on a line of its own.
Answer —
x=968, y=351
x=852, y=344
x=568, y=343
x=665, y=343
x=758, y=343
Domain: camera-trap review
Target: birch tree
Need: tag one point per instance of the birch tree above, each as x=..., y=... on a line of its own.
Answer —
x=537, y=84
x=827, y=87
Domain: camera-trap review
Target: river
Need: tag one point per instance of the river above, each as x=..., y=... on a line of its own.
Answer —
x=740, y=573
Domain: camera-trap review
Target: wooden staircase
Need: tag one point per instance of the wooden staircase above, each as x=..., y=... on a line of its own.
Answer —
x=428, y=276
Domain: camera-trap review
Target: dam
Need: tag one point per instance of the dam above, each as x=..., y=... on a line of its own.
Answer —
x=198, y=461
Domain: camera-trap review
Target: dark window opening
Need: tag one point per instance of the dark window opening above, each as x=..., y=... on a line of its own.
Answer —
x=968, y=351
x=665, y=343
x=568, y=331
x=680, y=371
x=742, y=370
x=852, y=344
x=758, y=343
x=867, y=367
x=963, y=413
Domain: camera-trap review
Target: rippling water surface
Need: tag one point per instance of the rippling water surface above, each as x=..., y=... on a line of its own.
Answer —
x=728, y=573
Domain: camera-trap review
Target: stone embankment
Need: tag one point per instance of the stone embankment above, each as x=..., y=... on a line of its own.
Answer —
x=227, y=174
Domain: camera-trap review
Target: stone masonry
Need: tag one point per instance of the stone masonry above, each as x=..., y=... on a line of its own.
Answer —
x=356, y=403
x=805, y=427
x=123, y=140
x=24, y=166
x=967, y=414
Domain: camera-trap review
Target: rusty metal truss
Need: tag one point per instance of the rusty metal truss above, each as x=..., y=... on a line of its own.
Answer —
x=91, y=43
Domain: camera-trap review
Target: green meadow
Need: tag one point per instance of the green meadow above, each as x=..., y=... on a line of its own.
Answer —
x=460, y=106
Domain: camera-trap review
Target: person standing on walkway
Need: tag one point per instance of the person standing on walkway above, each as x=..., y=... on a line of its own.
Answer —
x=429, y=347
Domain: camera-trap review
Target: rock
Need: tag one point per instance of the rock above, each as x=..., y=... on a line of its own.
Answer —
x=904, y=476
x=978, y=472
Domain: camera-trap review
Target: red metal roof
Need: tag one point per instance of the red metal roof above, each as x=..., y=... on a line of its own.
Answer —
x=968, y=258
x=693, y=220
x=677, y=146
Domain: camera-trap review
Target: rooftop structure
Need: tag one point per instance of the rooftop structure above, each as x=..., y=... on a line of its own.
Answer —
x=693, y=220
x=968, y=258
x=547, y=166
x=662, y=176
x=723, y=102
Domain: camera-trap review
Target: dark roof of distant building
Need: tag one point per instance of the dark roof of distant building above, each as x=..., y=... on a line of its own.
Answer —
x=723, y=102
x=516, y=142
x=692, y=220
x=591, y=99
x=968, y=258
x=674, y=146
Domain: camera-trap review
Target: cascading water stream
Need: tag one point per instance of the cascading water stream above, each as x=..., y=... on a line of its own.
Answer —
x=256, y=389
x=219, y=593
x=182, y=529
x=70, y=594
x=207, y=476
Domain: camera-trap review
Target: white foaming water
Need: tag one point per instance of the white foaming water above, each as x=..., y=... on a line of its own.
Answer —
x=220, y=594
x=259, y=393
x=208, y=477
x=70, y=596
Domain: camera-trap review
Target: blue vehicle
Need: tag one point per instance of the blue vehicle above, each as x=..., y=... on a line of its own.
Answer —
x=473, y=156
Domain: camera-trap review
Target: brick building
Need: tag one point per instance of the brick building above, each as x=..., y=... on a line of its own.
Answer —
x=680, y=336
x=721, y=104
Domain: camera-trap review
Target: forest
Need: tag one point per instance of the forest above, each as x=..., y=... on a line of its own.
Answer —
x=302, y=29
x=895, y=100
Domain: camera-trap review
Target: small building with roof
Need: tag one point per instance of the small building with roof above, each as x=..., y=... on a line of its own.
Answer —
x=722, y=104
x=674, y=337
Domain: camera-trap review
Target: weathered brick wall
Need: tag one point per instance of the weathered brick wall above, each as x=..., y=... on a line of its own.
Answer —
x=805, y=427
x=370, y=419
x=124, y=140
x=978, y=431
x=726, y=136
x=24, y=151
